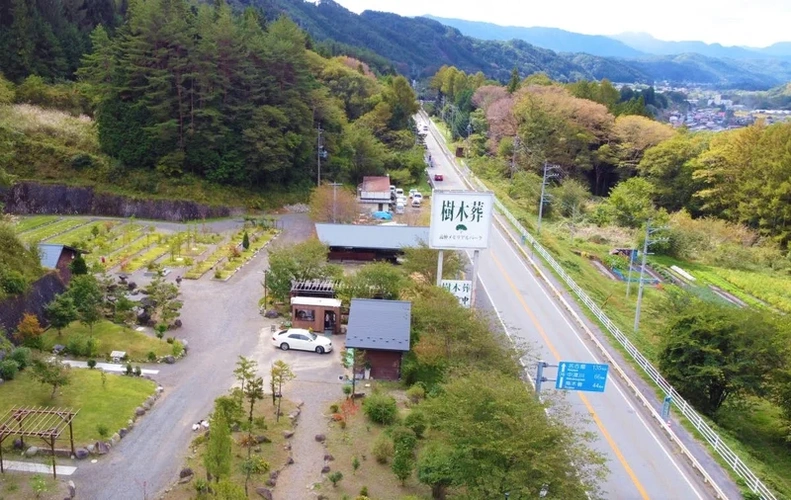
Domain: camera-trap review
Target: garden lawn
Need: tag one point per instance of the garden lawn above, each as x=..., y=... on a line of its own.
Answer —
x=112, y=404
x=145, y=258
x=28, y=223
x=257, y=242
x=202, y=267
x=81, y=235
x=111, y=337
x=48, y=231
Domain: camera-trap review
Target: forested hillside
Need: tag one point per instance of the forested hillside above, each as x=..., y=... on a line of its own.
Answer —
x=182, y=92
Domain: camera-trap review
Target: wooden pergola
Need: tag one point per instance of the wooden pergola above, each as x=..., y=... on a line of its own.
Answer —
x=43, y=422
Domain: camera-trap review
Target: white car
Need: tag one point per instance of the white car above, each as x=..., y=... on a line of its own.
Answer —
x=415, y=202
x=399, y=192
x=417, y=196
x=412, y=192
x=301, y=340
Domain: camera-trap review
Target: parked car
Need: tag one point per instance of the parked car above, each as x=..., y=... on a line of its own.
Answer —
x=438, y=177
x=417, y=195
x=399, y=208
x=300, y=339
x=382, y=215
x=412, y=192
x=416, y=202
x=399, y=192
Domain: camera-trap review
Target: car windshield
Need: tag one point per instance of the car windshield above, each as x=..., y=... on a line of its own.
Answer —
x=312, y=336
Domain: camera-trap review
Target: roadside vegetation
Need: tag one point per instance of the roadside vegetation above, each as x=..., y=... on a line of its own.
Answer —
x=444, y=430
x=611, y=174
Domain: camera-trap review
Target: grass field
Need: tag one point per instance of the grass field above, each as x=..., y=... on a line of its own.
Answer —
x=28, y=223
x=48, y=231
x=202, y=267
x=111, y=405
x=111, y=337
x=257, y=241
x=82, y=234
x=144, y=258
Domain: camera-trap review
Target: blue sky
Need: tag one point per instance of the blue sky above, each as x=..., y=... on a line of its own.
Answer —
x=755, y=23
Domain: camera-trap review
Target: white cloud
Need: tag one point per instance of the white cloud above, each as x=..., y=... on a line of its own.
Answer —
x=755, y=23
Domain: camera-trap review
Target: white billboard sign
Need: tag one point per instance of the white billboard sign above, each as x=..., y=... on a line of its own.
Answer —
x=461, y=289
x=460, y=219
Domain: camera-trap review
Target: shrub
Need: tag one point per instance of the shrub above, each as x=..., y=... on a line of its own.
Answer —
x=416, y=420
x=12, y=282
x=151, y=356
x=129, y=369
x=170, y=340
x=80, y=345
x=416, y=393
x=334, y=408
x=102, y=430
x=8, y=369
x=404, y=438
x=138, y=371
x=382, y=449
x=347, y=389
x=364, y=491
x=178, y=349
x=22, y=356
x=335, y=477
x=381, y=408
x=91, y=364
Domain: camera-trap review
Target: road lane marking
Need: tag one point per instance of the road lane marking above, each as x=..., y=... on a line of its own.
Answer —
x=556, y=354
x=596, y=359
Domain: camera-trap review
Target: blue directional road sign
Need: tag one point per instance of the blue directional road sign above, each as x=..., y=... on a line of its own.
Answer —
x=573, y=376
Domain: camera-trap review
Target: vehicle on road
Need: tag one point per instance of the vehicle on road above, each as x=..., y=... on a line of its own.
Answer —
x=425, y=128
x=300, y=339
x=438, y=177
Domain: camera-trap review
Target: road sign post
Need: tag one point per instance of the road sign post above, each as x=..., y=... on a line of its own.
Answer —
x=588, y=377
x=666, y=408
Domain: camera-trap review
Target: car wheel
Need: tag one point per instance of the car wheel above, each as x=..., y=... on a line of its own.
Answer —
x=284, y=346
x=320, y=350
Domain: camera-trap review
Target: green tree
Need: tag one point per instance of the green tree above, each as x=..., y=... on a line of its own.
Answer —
x=165, y=298
x=51, y=372
x=280, y=374
x=244, y=372
x=494, y=429
x=254, y=391
x=78, y=266
x=403, y=464
x=402, y=100
x=435, y=469
x=245, y=241
x=631, y=202
x=375, y=280
x=513, y=82
x=85, y=292
x=307, y=260
x=422, y=260
x=712, y=353
x=217, y=458
x=61, y=312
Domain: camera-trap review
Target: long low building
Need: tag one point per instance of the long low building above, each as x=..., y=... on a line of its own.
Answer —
x=369, y=242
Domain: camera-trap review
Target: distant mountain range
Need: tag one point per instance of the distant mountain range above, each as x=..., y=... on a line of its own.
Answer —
x=628, y=45
x=417, y=47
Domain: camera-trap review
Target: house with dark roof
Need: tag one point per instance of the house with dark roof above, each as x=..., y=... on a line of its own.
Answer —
x=382, y=329
x=369, y=242
x=59, y=257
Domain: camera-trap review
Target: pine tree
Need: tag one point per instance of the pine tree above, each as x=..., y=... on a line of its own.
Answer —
x=217, y=459
x=513, y=83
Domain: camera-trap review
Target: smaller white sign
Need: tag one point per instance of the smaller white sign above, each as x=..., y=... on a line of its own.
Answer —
x=461, y=289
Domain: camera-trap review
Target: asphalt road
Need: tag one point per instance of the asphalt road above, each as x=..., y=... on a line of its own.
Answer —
x=642, y=464
x=221, y=322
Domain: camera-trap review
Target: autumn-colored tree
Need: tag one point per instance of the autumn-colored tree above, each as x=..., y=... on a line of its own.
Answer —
x=28, y=331
x=333, y=204
x=635, y=135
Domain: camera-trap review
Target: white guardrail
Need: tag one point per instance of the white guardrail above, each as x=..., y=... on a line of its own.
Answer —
x=729, y=456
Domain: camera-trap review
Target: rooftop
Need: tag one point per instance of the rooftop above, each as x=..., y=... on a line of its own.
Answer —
x=376, y=184
x=375, y=237
x=51, y=253
x=315, y=301
x=379, y=324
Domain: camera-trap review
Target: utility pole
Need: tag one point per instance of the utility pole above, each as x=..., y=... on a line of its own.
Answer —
x=547, y=175
x=318, y=156
x=334, y=198
x=648, y=232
